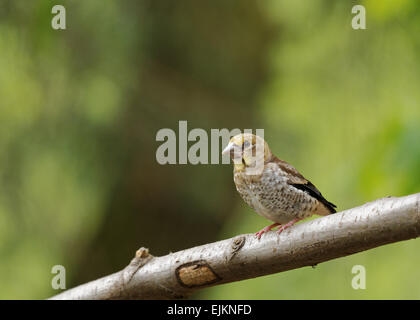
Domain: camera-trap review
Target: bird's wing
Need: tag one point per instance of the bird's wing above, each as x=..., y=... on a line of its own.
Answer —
x=298, y=181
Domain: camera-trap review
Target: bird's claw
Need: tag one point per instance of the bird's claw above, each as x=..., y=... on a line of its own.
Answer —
x=266, y=229
x=287, y=225
x=281, y=229
x=259, y=234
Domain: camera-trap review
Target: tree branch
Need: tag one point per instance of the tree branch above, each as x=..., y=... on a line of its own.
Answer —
x=179, y=274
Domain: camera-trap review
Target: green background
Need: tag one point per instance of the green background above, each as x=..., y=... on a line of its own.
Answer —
x=80, y=108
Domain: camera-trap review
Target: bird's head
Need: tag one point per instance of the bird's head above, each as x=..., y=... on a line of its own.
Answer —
x=247, y=151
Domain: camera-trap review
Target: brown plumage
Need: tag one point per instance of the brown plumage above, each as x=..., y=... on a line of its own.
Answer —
x=273, y=187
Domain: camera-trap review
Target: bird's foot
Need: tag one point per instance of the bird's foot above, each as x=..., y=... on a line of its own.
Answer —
x=287, y=225
x=266, y=229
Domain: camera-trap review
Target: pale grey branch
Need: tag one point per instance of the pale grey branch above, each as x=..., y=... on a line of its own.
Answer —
x=179, y=274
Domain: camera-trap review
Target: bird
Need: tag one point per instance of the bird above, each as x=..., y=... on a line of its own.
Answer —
x=271, y=186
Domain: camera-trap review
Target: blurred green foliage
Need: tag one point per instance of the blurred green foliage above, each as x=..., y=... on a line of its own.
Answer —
x=80, y=108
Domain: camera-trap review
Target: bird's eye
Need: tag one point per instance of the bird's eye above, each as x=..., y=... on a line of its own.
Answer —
x=247, y=144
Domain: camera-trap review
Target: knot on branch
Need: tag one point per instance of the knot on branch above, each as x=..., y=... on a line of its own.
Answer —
x=196, y=274
x=237, y=244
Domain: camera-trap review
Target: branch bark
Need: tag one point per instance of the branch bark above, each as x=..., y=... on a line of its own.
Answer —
x=179, y=274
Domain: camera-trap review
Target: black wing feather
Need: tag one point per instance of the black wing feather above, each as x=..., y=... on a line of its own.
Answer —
x=314, y=192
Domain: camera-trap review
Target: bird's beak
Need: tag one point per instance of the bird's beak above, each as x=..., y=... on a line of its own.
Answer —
x=228, y=148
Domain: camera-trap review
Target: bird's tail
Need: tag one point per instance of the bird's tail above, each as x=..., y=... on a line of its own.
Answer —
x=325, y=208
